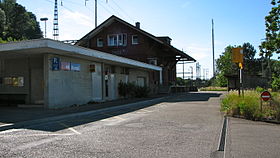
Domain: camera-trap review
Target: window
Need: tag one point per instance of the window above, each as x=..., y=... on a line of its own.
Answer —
x=117, y=40
x=152, y=61
x=135, y=39
x=99, y=42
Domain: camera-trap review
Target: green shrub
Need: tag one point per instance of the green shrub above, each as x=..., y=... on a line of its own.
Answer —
x=259, y=89
x=122, y=88
x=131, y=90
x=213, y=89
x=141, y=92
x=249, y=106
x=275, y=84
x=233, y=104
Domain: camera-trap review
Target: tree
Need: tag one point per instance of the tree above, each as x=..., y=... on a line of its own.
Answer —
x=272, y=22
x=226, y=67
x=275, y=68
x=2, y=21
x=18, y=23
x=252, y=66
x=249, y=51
x=224, y=63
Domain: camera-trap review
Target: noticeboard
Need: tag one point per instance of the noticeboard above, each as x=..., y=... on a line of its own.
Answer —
x=55, y=64
x=65, y=66
x=75, y=67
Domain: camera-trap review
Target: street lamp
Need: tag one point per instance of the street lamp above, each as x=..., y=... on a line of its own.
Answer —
x=45, y=20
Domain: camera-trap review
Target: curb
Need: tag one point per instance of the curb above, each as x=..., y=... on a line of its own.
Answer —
x=258, y=120
x=73, y=115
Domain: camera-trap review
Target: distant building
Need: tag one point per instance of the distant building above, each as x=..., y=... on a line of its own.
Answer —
x=118, y=37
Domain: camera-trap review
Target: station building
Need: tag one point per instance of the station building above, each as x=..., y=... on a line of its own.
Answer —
x=55, y=75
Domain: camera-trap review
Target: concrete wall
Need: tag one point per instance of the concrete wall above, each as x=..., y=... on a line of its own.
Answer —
x=135, y=73
x=117, y=75
x=66, y=88
x=31, y=69
x=61, y=88
x=97, y=82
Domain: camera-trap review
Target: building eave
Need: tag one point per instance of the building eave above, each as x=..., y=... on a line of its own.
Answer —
x=59, y=48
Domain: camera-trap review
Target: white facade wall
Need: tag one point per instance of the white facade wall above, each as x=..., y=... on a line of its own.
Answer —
x=66, y=88
x=134, y=76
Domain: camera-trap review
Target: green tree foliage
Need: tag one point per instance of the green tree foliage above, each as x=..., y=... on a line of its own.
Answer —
x=2, y=21
x=225, y=66
x=272, y=22
x=252, y=66
x=17, y=23
x=249, y=51
x=275, y=68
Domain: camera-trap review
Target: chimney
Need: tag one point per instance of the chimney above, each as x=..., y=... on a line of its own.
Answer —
x=137, y=24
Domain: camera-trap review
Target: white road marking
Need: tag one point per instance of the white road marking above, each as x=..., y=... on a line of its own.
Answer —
x=145, y=110
x=34, y=135
x=7, y=124
x=71, y=129
x=10, y=131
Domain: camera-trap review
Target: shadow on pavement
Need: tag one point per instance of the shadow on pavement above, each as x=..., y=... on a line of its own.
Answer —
x=196, y=96
x=54, y=126
x=18, y=115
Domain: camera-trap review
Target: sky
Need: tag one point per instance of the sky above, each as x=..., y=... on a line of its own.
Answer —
x=186, y=22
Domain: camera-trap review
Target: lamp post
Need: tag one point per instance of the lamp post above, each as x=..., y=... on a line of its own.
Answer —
x=45, y=20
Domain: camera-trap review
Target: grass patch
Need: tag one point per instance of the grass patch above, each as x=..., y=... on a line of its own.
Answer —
x=213, y=89
x=250, y=106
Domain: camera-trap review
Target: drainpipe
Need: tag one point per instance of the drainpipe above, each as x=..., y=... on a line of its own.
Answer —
x=29, y=80
x=102, y=81
x=160, y=77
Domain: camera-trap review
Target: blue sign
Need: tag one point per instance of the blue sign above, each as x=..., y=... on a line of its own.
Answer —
x=55, y=64
x=75, y=67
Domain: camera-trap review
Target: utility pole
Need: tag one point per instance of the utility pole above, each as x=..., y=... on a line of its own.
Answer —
x=183, y=70
x=95, y=10
x=213, y=49
x=95, y=13
x=191, y=72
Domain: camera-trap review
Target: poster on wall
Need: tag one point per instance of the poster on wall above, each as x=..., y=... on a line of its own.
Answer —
x=20, y=81
x=55, y=64
x=75, y=67
x=65, y=66
x=8, y=81
x=15, y=81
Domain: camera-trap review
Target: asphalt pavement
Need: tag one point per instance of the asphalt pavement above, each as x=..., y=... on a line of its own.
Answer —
x=252, y=139
x=186, y=125
x=183, y=125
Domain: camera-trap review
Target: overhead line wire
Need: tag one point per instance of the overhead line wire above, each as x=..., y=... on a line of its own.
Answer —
x=123, y=11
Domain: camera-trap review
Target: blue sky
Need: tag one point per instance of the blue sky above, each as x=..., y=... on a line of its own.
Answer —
x=187, y=22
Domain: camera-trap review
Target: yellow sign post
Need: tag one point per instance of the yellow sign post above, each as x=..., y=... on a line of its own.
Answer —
x=237, y=57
